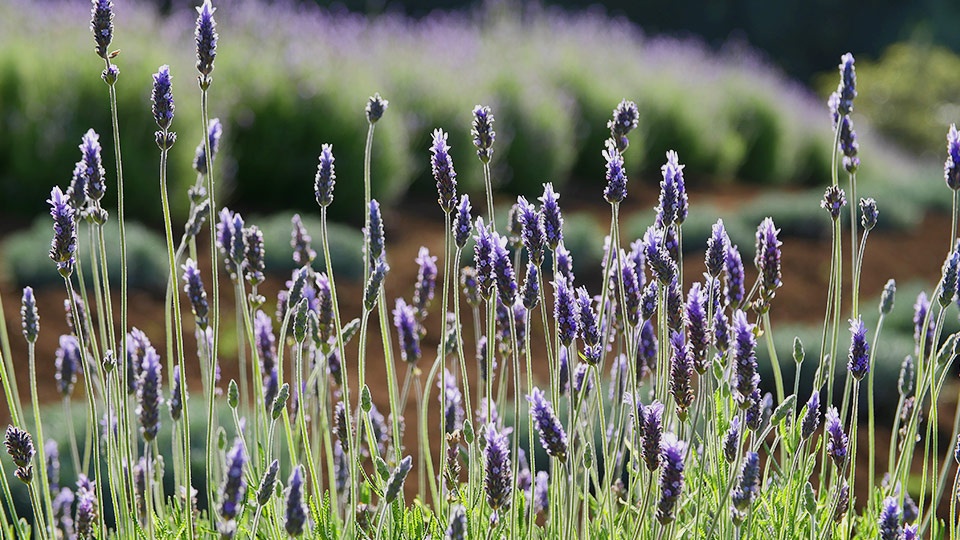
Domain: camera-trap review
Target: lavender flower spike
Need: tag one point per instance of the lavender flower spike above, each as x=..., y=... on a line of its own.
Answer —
x=234, y=486
x=148, y=395
x=671, y=477
x=101, y=24
x=326, y=177
x=463, y=222
x=404, y=318
x=214, y=133
x=67, y=364
x=531, y=287
x=767, y=259
x=265, y=491
x=162, y=98
x=206, y=35
x=951, y=168
x=651, y=428
x=746, y=378
x=395, y=482
x=64, y=243
x=948, y=280
x=372, y=289
x=503, y=271
x=29, y=316
x=426, y=283
x=837, y=440
x=375, y=108
x=498, y=474
x=673, y=205
x=847, y=89
x=533, y=233
x=564, y=312
x=733, y=268
x=300, y=240
x=889, y=520
x=859, y=358
x=374, y=235
x=748, y=486
x=94, y=186
x=833, y=201
x=681, y=371
x=552, y=218
x=717, y=246
x=296, y=510
x=731, y=440
x=626, y=116
x=616, y=189
x=697, y=327
x=87, y=507
x=175, y=403
x=441, y=163
x=811, y=416
x=193, y=286
x=19, y=445
x=552, y=436
x=483, y=133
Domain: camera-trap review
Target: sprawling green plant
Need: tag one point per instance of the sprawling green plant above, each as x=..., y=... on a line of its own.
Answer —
x=652, y=423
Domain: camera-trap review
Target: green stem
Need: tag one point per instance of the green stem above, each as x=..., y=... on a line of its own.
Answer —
x=41, y=450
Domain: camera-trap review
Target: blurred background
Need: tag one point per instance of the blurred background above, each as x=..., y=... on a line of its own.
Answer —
x=738, y=88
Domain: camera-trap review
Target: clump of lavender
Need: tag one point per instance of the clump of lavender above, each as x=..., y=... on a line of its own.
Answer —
x=626, y=116
x=193, y=286
x=671, y=477
x=748, y=486
x=296, y=510
x=889, y=520
x=837, y=440
x=498, y=474
x=29, y=316
x=859, y=357
x=483, y=133
x=234, y=487
x=395, y=482
x=767, y=259
x=681, y=372
x=206, y=36
x=441, y=164
x=746, y=378
x=148, y=395
x=404, y=318
x=552, y=435
x=616, y=189
x=811, y=416
x=375, y=108
x=650, y=418
x=64, y=243
x=673, y=204
x=19, y=445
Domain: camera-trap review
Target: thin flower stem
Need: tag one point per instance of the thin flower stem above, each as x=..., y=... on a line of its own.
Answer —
x=8, y=380
x=301, y=420
x=41, y=451
x=871, y=419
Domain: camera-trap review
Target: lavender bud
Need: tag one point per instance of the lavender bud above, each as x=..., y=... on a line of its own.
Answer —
x=767, y=259
x=265, y=491
x=631, y=289
x=238, y=245
x=588, y=328
x=374, y=235
x=372, y=289
x=441, y=163
x=531, y=287
x=889, y=520
x=837, y=440
x=748, y=485
x=948, y=281
x=910, y=532
x=848, y=145
x=696, y=324
x=94, y=186
x=754, y=411
x=671, y=477
x=52, y=453
x=101, y=24
x=452, y=401
x=376, y=106
x=426, y=283
x=137, y=344
x=868, y=213
x=214, y=133
x=887, y=297
x=733, y=286
x=541, y=492
x=87, y=507
x=675, y=315
x=533, y=231
x=234, y=487
x=300, y=240
x=626, y=116
x=498, y=474
x=833, y=201
x=650, y=418
x=206, y=34
x=673, y=205
x=463, y=222
x=731, y=440
x=847, y=89
x=811, y=416
x=162, y=98
x=265, y=341
x=404, y=318
x=296, y=510
x=859, y=357
x=552, y=435
x=616, y=189
x=225, y=241
x=951, y=168
x=468, y=283
x=176, y=403
x=64, y=243
x=19, y=445
x=681, y=371
x=395, y=483
x=326, y=177
x=503, y=270
x=717, y=246
x=483, y=258
x=77, y=192
x=564, y=312
x=483, y=133
x=29, y=316
x=647, y=348
x=193, y=286
x=648, y=300
x=905, y=382
x=110, y=74
x=720, y=329
x=745, y=359
x=552, y=218
x=148, y=395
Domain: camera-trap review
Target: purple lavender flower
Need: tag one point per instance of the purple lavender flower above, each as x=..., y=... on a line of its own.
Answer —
x=29, y=316
x=395, y=482
x=63, y=512
x=848, y=145
x=441, y=163
x=811, y=416
x=325, y=315
x=588, y=328
x=206, y=36
x=650, y=418
x=101, y=24
x=746, y=378
x=483, y=258
x=837, y=440
x=662, y=265
x=616, y=189
x=452, y=401
x=340, y=424
x=905, y=380
x=19, y=445
x=754, y=411
x=503, y=270
x=67, y=364
x=564, y=312
x=720, y=330
x=697, y=331
x=193, y=286
x=748, y=486
x=647, y=348
x=675, y=315
x=296, y=510
x=376, y=106
x=563, y=262
x=404, y=318
x=137, y=345
x=175, y=403
x=681, y=371
x=234, y=487
x=198, y=216
x=457, y=529
x=238, y=245
x=77, y=191
x=626, y=116
x=265, y=341
x=426, y=283
x=463, y=223
x=300, y=240
x=671, y=477
x=767, y=259
x=483, y=133
x=889, y=520
x=271, y=389
x=498, y=474
x=948, y=280
x=552, y=218
x=162, y=98
x=733, y=282
x=541, y=492
x=673, y=194
x=717, y=246
x=531, y=287
x=374, y=235
x=910, y=532
x=956, y=450
x=326, y=177
x=731, y=440
x=833, y=201
x=64, y=243
x=225, y=241
x=648, y=300
x=920, y=309
x=52, y=452
x=951, y=168
x=214, y=134
x=552, y=435
x=859, y=358
x=847, y=89
x=372, y=289
x=93, y=172
x=533, y=232
x=87, y=507
x=148, y=395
